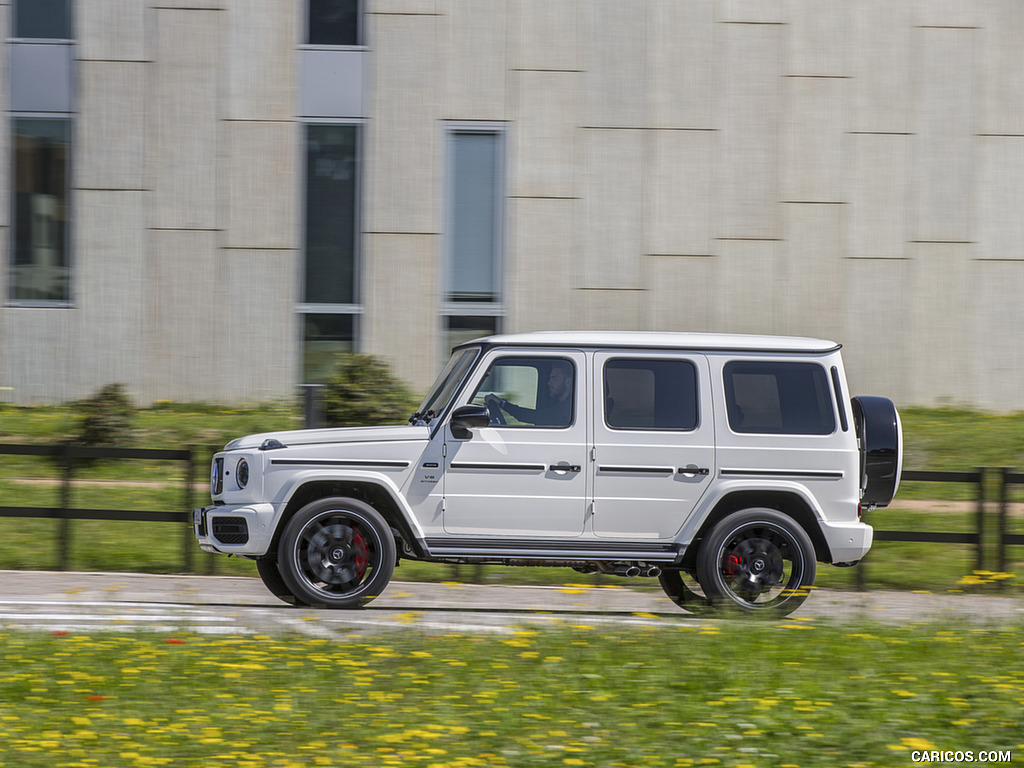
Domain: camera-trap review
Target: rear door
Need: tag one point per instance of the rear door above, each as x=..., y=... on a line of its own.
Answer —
x=654, y=448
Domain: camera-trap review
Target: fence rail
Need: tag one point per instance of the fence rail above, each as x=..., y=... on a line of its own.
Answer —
x=68, y=455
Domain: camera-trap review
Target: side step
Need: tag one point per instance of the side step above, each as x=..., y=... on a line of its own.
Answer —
x=552, y=550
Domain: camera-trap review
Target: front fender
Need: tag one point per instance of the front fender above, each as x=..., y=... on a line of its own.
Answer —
x=297, y=480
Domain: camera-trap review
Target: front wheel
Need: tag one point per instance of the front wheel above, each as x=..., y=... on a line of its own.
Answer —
x=336, y=553
x=758, y=561
x=270, y=574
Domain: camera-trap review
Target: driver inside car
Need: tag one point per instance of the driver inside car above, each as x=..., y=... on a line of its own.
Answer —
x=555, y=412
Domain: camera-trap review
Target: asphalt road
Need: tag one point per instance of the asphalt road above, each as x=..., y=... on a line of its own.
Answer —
x=94, y=602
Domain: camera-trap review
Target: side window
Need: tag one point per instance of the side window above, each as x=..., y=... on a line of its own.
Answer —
x=650, y=394
x=778, y=398
x=521, y=391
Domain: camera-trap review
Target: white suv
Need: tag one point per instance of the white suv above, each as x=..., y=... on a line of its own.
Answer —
x=724, y=465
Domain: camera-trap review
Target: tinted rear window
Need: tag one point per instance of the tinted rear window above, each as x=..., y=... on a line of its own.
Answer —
x=779, y=398
x=650, y=394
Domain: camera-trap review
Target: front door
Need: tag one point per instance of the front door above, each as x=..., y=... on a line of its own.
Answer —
x=524, y=475
x=654, y=447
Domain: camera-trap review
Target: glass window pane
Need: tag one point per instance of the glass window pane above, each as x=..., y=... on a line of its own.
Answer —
x=778, y=398
x=323, y=337
x=650, y=394
x=48, y=19
x=41, y=264
x=331, y=195
x=475, y=216
x=333, y=22
x=436, y=400
x=536, y=392
x=459, y=330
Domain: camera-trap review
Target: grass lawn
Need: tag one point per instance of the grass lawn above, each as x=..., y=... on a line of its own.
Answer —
x=721, y=694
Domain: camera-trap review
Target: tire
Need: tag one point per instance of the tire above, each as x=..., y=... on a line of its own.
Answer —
x=271, y=576
x=757, y=561
x=336, y=553
x=679, y=592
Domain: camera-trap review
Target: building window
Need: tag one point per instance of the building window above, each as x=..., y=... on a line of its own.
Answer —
x=42, y=19
x=330, y=300
x=41, y=263
x=458, y=329
x=332, y=22
x=474, y=236
x=331, y=190
x=324, y=336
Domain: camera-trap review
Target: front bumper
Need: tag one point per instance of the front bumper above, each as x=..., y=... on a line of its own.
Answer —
x=235, y=529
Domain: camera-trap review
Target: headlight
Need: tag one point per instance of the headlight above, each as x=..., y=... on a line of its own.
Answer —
x=217, y=476
x=242, y=473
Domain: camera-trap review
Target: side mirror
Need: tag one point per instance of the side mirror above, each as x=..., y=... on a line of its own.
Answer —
x=469, y=417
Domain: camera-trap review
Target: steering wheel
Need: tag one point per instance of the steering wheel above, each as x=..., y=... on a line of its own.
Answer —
x=494, y=409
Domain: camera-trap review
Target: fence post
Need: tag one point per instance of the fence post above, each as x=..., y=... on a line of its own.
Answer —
x=980, y=556
x=64, y=534
x=187, y=533
x=1004, y=504
x=312, y=400
x=861, y=574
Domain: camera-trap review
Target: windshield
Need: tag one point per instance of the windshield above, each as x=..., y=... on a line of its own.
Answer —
x=445, y=385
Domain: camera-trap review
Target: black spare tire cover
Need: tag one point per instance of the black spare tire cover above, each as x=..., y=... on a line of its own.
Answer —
x=881, y=449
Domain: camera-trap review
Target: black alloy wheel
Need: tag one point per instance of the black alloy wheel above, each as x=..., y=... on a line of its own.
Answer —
x=757, y=561
x=337, y=553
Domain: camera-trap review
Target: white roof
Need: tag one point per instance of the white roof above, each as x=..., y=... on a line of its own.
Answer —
x=664, y=340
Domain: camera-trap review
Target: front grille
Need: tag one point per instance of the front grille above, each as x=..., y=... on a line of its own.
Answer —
x=230, y=530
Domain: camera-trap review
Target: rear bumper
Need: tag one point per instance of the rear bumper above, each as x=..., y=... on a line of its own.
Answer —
x=243, y=529
x=848, y=542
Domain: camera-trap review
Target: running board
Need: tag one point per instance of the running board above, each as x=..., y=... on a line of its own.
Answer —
x=552, y=550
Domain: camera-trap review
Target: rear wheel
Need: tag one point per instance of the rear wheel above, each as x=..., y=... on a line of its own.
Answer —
x=337, y=553
x=757, y=561
x=677, y=585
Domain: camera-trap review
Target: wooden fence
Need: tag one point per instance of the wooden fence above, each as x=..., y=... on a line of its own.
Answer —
x=67, y=455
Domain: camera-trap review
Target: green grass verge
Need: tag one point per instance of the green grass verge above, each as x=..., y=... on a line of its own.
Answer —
x=729, y=694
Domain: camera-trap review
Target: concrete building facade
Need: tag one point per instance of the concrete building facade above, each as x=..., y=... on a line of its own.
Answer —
x=205, y=198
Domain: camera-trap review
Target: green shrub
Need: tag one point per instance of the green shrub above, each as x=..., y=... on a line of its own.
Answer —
x=107, y=417
x=362, y=391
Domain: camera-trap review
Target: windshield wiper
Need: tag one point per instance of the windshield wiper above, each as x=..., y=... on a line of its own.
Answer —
x=422, y=418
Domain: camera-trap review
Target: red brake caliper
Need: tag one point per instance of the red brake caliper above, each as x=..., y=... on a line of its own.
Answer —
x=731, y=565
x=360, y=552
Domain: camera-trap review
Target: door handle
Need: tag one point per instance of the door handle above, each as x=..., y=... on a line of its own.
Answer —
x=564, y=466
x=699, y=471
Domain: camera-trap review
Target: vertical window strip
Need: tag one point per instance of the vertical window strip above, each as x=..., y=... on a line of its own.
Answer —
x=40, y=252
x=474, y=239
